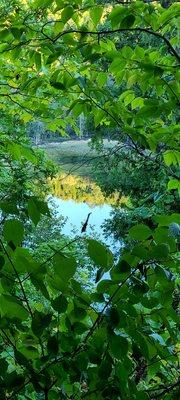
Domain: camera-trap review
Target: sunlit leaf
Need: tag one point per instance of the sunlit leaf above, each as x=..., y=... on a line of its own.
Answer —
x=140, y=232
x=100, y=254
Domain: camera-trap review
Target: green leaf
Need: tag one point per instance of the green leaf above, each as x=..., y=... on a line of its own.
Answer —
x=13, y=231
x=5, y=34
x=118, y=346
x=26, y=151
x=96, y=14
x=116, y=66
x=128, y=99
x=140, y=395
x=127, y=52
x=12, y=308
x=99, y=274
x=41, y=3
x=40, y=322
x=14, y=380
x=37, y=59
x=79, y=328
x=160, y=251
x=122, y=372
x=137, y=102
x=140, y=251
x=168, y=14
x=174, y=184
x=17, y=33
x=58, y=85
x=113, y=316
x=150, y=301
x=67, y=13
x=122, y=267
x=54, y=56
x=23, y=261
x=37, y=207
x=77, y=314
x=82, y=361
x=100, y=254
x=140, y=343
x=43, y=207
x=64, y=267
x=2, y=262
x=20, y=358
x=105, y=369
x=37, y=280
x=29, y=352
x=117, y=15
x=8, y=207
x=162, y=275
x=60, y=5
x=166, y=220
x=171, y=157
x=101, y=80
x=163, y=235
x=140, y=232
x=76, y=286
x=52, y=345
x=150, y=111
x=139, y=287
x=128, y=21
x=60, y=303
x=33, y=211
x=105, y=285
x=3, y=366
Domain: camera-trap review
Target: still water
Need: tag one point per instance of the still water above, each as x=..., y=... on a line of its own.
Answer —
x=76, y=214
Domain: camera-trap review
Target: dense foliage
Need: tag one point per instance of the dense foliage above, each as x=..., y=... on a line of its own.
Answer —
x=144, y=182
x=119, y=340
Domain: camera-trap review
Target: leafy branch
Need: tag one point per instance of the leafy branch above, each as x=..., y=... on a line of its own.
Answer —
x=18, y=278
x=166, y=389
x=119, y=30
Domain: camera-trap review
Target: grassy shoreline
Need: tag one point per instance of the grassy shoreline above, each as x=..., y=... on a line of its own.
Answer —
x=74, y=156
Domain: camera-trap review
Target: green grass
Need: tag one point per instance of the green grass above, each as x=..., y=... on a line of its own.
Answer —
x=74, y=156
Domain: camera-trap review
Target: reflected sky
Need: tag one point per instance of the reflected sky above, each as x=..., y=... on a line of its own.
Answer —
x=76, y=214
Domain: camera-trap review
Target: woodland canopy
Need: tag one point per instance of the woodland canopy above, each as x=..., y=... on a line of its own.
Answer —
x=114, y=65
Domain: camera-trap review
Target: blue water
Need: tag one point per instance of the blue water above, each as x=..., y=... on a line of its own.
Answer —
x=76, y=214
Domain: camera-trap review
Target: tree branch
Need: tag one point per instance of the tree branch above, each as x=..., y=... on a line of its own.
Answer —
x=110, y=32
x=167, y=389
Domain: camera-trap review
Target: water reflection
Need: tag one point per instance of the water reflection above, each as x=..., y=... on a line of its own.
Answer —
x=76, y=214
x=74, y=198
x=82, y=190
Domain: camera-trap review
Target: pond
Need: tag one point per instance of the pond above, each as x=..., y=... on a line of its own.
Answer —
x=76, y=213
x=74, y=197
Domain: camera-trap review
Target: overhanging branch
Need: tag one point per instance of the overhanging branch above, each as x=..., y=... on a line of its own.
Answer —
x=119, y=30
